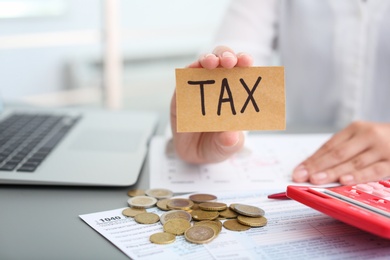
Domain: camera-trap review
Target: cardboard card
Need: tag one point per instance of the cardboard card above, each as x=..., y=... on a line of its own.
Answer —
x=222, y=99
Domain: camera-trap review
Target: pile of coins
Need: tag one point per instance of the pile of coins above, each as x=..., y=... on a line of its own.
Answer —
x=202, y=210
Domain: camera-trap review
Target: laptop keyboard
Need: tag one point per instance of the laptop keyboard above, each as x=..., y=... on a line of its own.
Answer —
x=27, y=139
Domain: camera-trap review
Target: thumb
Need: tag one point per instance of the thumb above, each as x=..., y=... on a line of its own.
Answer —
x=222, y=145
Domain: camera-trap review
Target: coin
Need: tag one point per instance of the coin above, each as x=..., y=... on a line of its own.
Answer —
x=132, y=212
x=252, y=221
x=180, y=212
x=228, y=213
x=211, y=223
x=175, y=214
x=159, y=193
x=136, y=192
x=162, y=238
x=247, y=210
x=142, y=202
x=147, y=218
x=199, y=198
x=183, y=204
x=234, y=225
x=204, y=215
x=176, y=226
x=162, y=204
x=199, y=234
x=219, y=223
x=212, y=206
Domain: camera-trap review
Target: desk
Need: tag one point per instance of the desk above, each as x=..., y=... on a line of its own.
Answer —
x=40, y=222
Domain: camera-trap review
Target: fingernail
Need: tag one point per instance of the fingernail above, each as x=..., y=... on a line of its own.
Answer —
x=241, y=54
x=227, y=54
x=228, y=140
x=301, y=172
x=209, y=55
x=232, y=141
x=321, y=176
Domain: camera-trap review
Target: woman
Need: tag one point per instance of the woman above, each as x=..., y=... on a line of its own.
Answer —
x=336, y=60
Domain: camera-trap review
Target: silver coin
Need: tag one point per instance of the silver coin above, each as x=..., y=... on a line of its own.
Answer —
x=142, y=202
x=175, y=214
x=159, y=193
x=199, y=234
x=247, y=210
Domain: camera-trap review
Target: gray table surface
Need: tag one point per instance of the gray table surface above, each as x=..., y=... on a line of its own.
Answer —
x=42, y=222
x=38, y=222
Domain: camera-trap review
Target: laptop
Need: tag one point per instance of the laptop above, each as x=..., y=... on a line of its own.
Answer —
x=67, y=147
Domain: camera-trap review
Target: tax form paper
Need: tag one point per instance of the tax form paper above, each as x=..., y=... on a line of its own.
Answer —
x=293, y=231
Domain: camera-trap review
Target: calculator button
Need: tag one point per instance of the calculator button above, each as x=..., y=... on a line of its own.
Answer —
x=376, y=185
x=364, y=187
x=381, y=193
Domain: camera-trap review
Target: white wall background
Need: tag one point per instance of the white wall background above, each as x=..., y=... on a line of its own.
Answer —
x=47, y=53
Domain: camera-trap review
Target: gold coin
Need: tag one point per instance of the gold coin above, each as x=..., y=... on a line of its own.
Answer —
x=234, y=225
x=136, y=192
x=204, y=215
x=219, y=223
x=247, y=210
x=252, y=221
x=228, y=213
x=199, y=234
x=142, y=202
x=132, y=212
x=146, y=218
x=162, y=204
x=199, y=198
x=159, y=193
x=162, y=238
x=183, y=204
x=213, y=206
x=211, y=223
x=173, y=214
x=176, y=226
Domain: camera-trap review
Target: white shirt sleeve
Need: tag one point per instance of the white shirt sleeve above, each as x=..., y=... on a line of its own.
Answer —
x=250, y=26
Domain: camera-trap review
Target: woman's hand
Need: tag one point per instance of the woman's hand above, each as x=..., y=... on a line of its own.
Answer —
x=359, y=153
x=208, y=147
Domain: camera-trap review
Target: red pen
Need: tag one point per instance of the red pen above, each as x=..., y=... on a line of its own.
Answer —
x=279, y=196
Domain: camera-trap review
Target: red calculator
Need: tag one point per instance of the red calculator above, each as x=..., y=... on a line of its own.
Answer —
x=365, y=206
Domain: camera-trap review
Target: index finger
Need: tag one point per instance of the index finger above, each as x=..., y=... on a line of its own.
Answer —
x=227, y=57
x=244, y=60
x=337, y=139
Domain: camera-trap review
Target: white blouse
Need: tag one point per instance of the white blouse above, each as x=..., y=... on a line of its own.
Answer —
x=336, y=54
